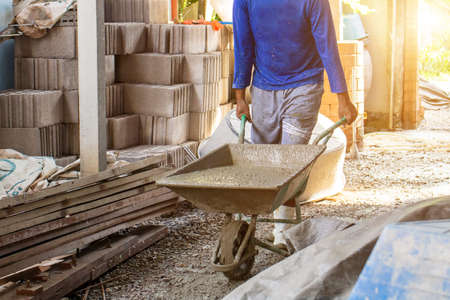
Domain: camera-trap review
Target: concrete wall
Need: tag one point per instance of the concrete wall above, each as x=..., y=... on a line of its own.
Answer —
x=377, y=25
x=6, y=48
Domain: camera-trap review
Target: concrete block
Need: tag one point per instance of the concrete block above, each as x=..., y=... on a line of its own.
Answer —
x=24, y=140
x=71, y=107
x=114, y=103
x=71, y=139
x=146, y=129
x=150, y=68
x=194, y=39
x=213, y=39
x=202, y=125
x=224, y=90
x=205, y=97
x=227, y=59
x=165, y=38
x=46, y=141
x=202, y=68
x=170, y=131
x=110, y=69
x=30, y=108
x=125, y=38
x=147, y=11
x=114, y=100
x=157, y=100
x=123, y=131
x=46, y=74
x=60, y=42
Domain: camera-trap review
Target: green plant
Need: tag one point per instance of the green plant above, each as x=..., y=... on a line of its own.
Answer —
x=434, y=59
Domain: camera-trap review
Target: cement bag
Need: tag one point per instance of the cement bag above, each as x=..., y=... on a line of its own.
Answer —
x=327, y=176
x=18, y=172
x=330, y=268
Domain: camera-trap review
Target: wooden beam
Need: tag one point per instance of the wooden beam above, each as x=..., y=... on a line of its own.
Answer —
x=91, y=72
x=58, y=202
x=38, y=239
x=81, y=239
x=80, y=183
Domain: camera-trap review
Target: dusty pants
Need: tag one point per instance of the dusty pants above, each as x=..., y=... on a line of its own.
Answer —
x=285, y=117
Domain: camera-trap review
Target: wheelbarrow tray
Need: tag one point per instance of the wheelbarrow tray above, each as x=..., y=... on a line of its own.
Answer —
x=249, y=179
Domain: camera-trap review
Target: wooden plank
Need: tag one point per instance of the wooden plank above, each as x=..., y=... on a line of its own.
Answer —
x=73, y=228
x=97, y=260
x=13, y=211
x=48, y=210
x=80, y=183
x=85, y=215
x=83, y=238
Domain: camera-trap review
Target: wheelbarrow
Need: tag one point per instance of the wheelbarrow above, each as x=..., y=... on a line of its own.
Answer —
x=247, y=180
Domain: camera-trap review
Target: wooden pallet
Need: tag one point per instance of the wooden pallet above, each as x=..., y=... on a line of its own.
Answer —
x=66, y=274
x=35, y=227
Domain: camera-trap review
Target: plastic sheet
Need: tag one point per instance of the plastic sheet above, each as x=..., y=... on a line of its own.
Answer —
x=330, y=268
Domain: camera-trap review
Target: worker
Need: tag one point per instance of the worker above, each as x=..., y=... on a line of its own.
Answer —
x=286, y=44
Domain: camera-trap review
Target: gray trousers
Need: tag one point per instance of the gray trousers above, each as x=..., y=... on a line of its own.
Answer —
x=285, y=116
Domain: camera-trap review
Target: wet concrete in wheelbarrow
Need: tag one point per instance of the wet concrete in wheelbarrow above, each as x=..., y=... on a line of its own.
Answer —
x=235, y=176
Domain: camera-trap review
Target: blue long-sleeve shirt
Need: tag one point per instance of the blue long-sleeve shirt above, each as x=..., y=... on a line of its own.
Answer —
x=289, y=42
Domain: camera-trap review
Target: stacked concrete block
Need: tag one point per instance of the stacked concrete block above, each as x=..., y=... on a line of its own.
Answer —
x=352, y=58
x=202, y=125
x=30, y=108
x=202, y=68
x=217, y=40
x=205, y=97
x=45, y=141
x=60, y=42
x=150, y=68
x=71, y=139
x=114, y=103
x=146, y=129
x=194, y=39
x=165, y=38
x=53, y=73
x=123, y=132
x=125, y=38
x=176, y=155
x=146, y=11
x=170, y=131
x=157, y=100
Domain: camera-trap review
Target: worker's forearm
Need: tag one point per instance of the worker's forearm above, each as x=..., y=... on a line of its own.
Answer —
x=240, y=94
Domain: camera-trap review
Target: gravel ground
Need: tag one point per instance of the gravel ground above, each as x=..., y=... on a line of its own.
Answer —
x=394, y=169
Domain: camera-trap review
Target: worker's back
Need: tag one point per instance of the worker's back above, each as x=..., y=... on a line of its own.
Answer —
x=284, y=34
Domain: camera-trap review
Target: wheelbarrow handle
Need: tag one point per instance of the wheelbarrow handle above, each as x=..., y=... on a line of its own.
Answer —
x=242, y=131
x=326, y=134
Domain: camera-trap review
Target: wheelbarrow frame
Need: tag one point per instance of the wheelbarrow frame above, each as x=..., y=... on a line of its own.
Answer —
x=239, y=259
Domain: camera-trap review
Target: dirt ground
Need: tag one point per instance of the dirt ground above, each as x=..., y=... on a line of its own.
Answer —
x=394, y=169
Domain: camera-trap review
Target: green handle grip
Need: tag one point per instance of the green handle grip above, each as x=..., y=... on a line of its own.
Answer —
x=242, y=131
x=329, y=132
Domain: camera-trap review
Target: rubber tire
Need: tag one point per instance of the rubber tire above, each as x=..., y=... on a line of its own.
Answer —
x=244, y=269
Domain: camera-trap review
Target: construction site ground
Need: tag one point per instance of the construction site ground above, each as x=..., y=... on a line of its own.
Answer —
x=394, y=169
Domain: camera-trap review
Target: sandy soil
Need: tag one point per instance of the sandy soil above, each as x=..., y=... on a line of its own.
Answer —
x=394, y=169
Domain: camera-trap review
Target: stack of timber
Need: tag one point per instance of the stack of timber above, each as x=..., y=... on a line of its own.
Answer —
x=69, y=217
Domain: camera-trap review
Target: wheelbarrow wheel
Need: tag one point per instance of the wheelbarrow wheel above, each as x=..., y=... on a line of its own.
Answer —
x=231, y=238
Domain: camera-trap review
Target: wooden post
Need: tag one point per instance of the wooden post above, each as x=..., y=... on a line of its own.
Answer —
x=91, y=72
x=412, y=105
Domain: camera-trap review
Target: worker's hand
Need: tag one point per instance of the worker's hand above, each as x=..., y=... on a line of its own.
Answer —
x=346, y=108
x=242, y=108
